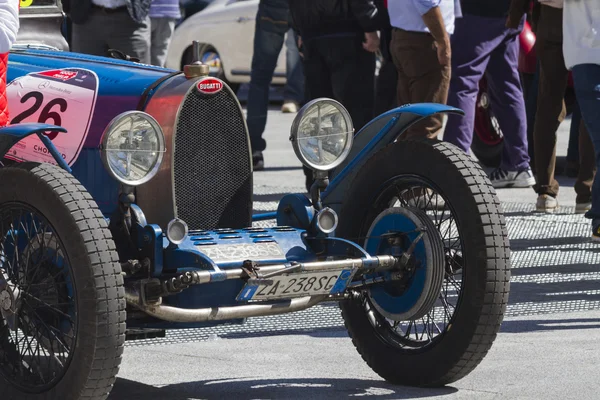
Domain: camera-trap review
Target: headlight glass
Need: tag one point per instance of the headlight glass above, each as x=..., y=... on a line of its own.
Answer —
x=322, y=134
x=132, y=147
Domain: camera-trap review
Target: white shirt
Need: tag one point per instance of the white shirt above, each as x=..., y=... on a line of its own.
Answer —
x=110, y=3
x=9, y=24
x=408, y=14
x=581, y=32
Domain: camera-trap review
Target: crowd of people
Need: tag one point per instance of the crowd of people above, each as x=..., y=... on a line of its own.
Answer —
x=430, y=51
x=439, y=51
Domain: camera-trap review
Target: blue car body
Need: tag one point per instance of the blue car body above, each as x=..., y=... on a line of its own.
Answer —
x=124, y=86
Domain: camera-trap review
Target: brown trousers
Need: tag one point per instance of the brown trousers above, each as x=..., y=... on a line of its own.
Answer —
x=421, y=78
x=551, y=111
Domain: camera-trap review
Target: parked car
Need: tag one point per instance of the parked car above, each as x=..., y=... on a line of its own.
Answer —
x=226, y=31
x=132, y=214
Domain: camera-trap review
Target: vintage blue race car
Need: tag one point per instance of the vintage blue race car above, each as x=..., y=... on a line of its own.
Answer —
x=132, y=214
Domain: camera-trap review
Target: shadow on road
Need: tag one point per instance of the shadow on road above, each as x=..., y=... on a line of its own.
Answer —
x=549, y=325
x=247, y=389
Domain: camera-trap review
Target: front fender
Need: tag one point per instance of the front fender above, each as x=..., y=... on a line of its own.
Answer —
x=374, y=136
x=12, y=134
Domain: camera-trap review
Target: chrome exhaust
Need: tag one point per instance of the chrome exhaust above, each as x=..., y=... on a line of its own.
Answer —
x=174, y=314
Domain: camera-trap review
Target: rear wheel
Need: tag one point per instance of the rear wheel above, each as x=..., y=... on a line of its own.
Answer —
x=434, y=324
x=62, y=323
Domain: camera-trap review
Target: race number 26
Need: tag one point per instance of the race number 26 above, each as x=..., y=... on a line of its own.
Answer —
x=47, y=113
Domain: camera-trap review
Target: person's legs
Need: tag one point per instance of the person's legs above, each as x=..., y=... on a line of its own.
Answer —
x=508, y=104
x=317, y=82
x=162, y=30
x=271, y=26
x=294, y=86
x=585, y=175
x=572, y=166
x=90, y=37
x=587, y=89
x=550, y=106
x=386, y=96
x=129, y=36
x=471, y=48
x=347, y=60
x=420, y=73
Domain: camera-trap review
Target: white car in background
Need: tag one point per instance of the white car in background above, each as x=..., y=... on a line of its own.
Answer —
x=226, y=31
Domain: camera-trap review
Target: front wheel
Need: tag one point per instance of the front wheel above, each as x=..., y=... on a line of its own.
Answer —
x=62, y=301
x=433, y=322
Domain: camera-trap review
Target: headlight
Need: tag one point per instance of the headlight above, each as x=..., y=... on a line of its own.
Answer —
x=132, y=147
x=322, y=134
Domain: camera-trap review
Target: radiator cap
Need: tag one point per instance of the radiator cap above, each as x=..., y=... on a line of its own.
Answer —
x=196, y=69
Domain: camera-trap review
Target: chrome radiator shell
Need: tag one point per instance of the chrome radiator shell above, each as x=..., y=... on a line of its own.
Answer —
x=206, y=175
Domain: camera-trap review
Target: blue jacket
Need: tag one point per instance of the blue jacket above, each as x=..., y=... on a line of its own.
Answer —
x=165, y=9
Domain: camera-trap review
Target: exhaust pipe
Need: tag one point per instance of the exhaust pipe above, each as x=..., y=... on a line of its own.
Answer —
x=174, y=314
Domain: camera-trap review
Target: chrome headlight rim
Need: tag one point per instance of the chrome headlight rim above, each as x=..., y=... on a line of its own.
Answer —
x=296, y=126
x=161, y=146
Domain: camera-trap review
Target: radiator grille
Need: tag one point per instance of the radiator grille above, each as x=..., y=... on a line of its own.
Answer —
x=212, y=172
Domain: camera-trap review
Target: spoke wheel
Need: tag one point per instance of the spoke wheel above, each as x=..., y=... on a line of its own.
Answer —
x=62, y=308
x=39, y=334
x=447, y=341
x=415, y=192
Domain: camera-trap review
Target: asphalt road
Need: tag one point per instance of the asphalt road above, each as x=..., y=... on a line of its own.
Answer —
x=549, y=346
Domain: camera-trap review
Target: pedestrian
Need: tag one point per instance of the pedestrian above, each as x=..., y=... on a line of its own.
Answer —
x=551, y=109
x=100, y=25
x=272, y=25
x=339, y=39
x=163, y=16
x=386, y=83
x=581, y=49
x=483, y=45
x=9, y=26
x=421, y=52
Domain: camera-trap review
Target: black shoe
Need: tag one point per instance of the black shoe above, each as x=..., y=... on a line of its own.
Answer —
x=258, y=163
x=596, y=233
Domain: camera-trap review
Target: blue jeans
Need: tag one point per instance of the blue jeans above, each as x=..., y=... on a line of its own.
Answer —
x=272, y=23
x=587, y=89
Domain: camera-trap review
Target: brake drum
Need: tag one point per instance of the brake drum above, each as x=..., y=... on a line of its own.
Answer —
x=414, y=294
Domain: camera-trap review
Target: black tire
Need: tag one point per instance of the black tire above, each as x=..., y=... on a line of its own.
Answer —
x=488, y=155
x=484, y=257
x=207, y=48
x=68, y=216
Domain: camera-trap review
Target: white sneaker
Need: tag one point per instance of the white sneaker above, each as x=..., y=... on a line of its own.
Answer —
x=546, y=203
x=517, y=179
x=289, y=107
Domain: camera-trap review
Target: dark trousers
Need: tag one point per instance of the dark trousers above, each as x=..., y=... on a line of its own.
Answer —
x=482, y=45
x=587, y=84
x=421, y=78
x=551, y=110
x=339, y=68
x=269, y=35
x=102, y=31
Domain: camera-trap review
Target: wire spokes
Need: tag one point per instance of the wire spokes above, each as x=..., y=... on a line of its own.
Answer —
x=37, y=337
x=415, y=193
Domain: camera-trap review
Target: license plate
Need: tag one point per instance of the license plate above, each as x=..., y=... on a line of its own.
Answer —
x=297, y=285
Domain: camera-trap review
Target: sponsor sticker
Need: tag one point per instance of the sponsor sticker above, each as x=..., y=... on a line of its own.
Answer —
x=63, y=97
x=209, y=85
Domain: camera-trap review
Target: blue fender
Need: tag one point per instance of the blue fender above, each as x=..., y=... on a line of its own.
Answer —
x=12, y=134
x=374, y=136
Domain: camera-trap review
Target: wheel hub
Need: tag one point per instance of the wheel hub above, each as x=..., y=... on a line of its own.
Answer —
x=412, y=292
x=9, y=303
